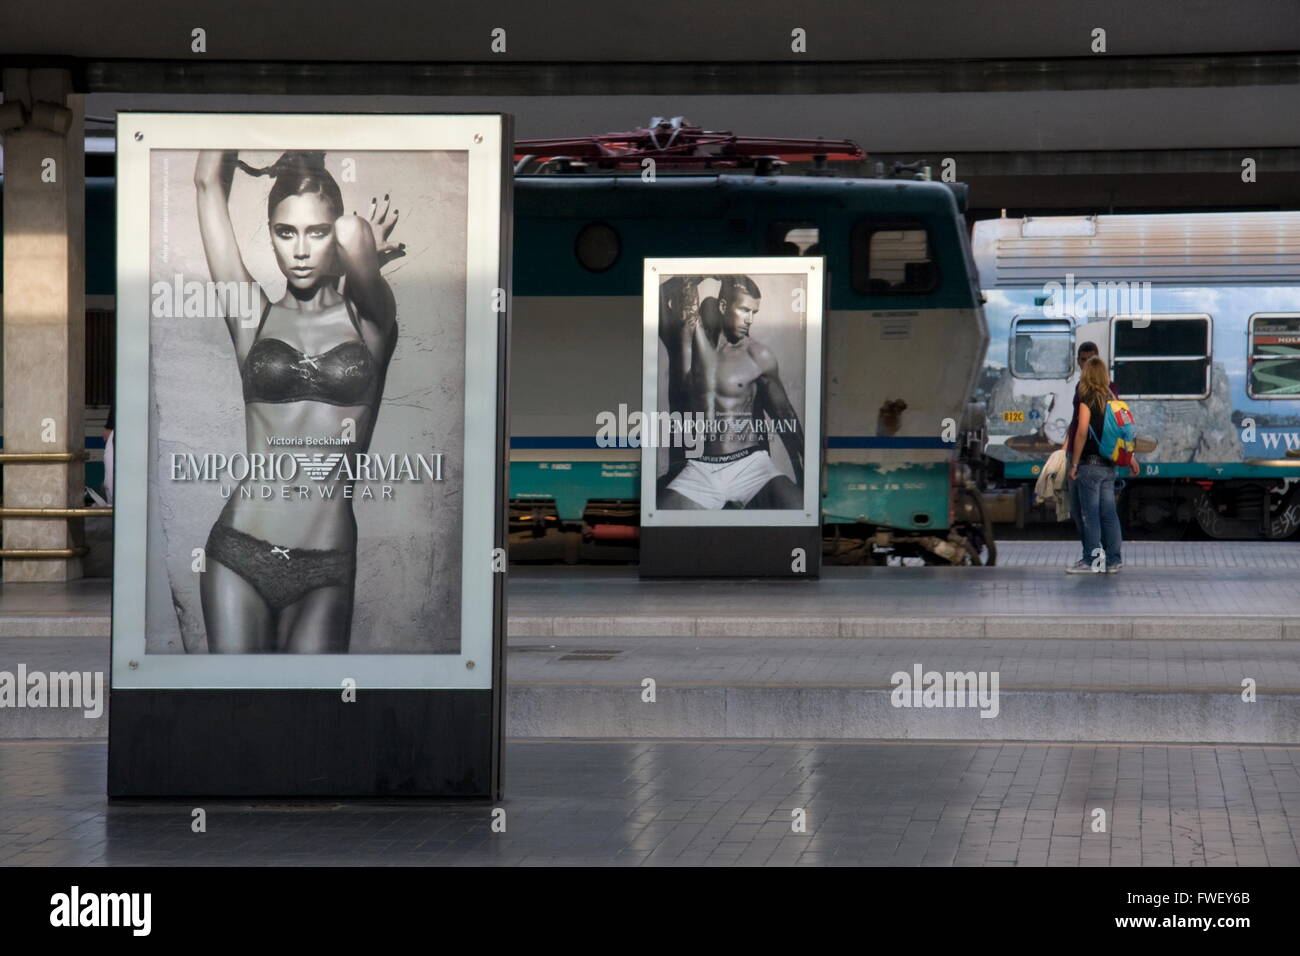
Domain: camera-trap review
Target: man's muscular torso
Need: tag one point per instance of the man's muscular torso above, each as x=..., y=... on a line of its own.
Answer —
x=723, y=384
x=713, y=375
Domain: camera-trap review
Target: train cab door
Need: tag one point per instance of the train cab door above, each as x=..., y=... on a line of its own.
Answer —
x=1040, y=359
x=799, y=237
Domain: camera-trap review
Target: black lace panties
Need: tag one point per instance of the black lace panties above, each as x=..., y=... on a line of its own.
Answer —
x=282, y=576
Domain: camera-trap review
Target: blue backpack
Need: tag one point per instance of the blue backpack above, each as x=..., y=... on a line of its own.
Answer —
x=1118, y=433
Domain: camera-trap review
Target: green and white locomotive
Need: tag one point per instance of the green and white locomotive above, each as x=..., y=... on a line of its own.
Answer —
x=905, y=334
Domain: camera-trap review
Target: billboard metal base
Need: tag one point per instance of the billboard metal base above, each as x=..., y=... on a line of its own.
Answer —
x=730, y=552
x=304, y=743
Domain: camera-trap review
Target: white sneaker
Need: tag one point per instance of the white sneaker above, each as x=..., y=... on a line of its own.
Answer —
x=1080, y=567
x=1112, y=568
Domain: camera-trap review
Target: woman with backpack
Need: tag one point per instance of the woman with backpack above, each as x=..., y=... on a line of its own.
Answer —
x=1094, y=474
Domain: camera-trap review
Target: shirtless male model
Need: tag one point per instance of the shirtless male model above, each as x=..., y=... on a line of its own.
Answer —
x=716, y=368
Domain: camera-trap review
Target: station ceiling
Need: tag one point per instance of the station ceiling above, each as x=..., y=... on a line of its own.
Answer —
x=577, y=31
x=1009, y=89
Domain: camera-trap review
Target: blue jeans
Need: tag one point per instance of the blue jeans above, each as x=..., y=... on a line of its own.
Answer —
x=1093, y=494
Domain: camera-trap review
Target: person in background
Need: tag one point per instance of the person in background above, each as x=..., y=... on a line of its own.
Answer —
x=1093, y=474
x=108, y=457
x=1086, y=350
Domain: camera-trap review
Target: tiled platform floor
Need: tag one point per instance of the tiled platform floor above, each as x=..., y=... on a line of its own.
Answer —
x=714, y=802
x=1159, y=554
x=1174, y=580
x=1162, y=590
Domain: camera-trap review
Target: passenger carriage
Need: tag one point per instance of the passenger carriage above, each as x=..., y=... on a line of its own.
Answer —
x=1198, y=316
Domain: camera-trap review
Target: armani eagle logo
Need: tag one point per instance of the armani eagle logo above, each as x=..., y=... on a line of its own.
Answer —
x=318, y=467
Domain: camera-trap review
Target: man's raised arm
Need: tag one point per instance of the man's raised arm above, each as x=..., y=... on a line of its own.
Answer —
x=776, y=403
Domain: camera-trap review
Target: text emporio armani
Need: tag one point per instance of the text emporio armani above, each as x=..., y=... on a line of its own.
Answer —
x=319, y=468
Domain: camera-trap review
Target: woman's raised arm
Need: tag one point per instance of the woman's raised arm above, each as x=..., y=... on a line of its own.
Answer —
x=213, y=174
x=359, y=254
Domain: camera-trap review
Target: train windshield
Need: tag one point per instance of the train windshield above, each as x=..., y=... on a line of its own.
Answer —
x=1042, y=348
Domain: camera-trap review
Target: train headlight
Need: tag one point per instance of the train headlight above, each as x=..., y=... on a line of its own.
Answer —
x=597, y=246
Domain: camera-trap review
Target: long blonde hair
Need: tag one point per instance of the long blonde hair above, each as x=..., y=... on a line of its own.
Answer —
x=1094, y=384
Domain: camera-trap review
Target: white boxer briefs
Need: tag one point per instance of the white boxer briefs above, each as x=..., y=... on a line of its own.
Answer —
x=711, y=485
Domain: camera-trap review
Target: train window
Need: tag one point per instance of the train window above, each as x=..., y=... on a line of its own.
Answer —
x=1042, y=348
x=794, y=238
x=891, y=259
x=1274, y=356
x=1161, y=356
x=597, y=246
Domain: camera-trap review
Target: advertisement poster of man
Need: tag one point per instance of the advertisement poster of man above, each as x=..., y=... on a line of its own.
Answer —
x=307, y=340
x=734, y=352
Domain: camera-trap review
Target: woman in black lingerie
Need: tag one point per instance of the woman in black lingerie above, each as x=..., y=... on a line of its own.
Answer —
x=280, y=570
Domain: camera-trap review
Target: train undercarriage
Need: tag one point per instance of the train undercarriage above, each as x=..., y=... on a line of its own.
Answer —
x=1247, y=509
x=1232, y=510
x=610, y=532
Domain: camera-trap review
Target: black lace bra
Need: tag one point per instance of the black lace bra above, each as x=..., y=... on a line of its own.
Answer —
x=274, y=371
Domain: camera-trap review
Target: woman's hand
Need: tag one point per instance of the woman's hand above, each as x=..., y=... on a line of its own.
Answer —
x=1074, y=472
x=381, y=227
x=1134, y=468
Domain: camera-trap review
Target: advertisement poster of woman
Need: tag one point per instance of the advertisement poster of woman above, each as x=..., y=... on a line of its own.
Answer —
x=314, y=364
x=308, y=364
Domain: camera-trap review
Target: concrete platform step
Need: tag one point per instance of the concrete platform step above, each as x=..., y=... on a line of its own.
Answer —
x=797, y=711
x=859, y=712
x=50, y=723
x=55, y=625
x=837, y=688
x=20, y=656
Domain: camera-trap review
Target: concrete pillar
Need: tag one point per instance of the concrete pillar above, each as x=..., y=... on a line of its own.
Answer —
x=44, y=318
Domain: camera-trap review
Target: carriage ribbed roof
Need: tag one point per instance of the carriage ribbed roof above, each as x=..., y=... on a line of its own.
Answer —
x=1165, y=249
